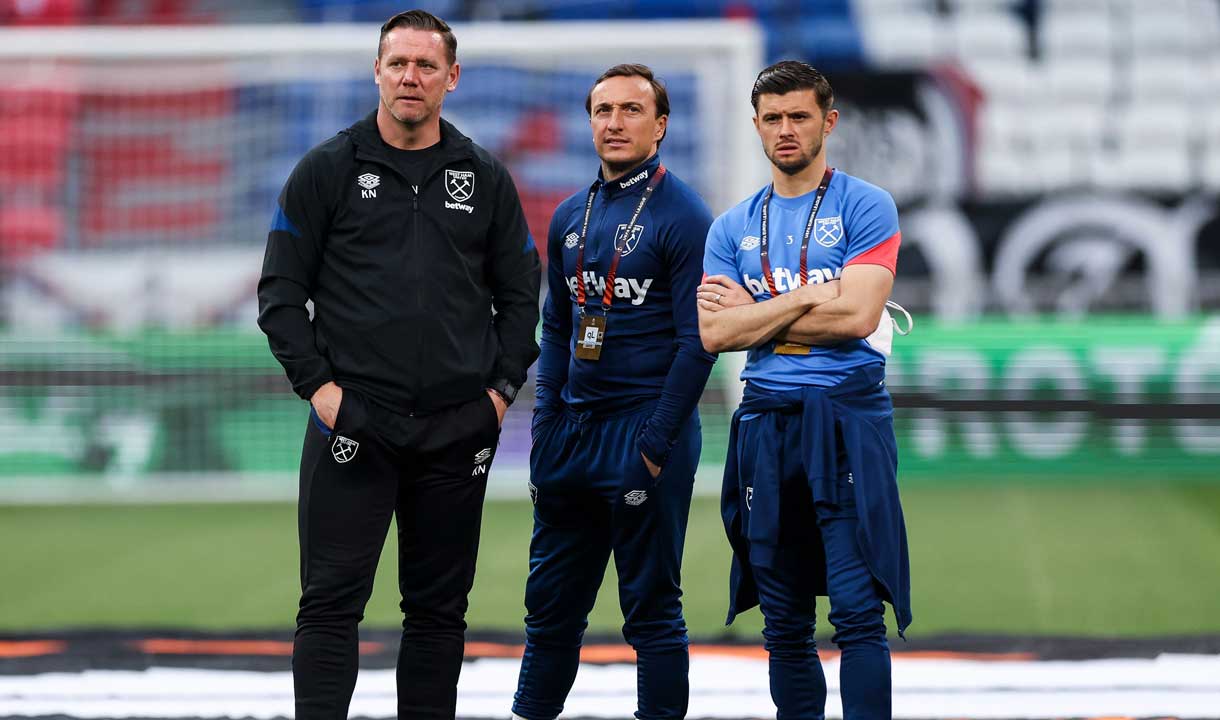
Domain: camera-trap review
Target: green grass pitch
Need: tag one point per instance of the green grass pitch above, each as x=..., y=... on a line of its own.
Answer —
x=1069, y=558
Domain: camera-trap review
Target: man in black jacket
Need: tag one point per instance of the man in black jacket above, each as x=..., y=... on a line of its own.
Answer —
x=406, y=236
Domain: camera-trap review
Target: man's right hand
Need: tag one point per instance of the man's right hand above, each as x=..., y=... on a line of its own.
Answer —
x=326, y=403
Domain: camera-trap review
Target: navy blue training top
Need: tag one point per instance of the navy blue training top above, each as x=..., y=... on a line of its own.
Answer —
x=651, y=351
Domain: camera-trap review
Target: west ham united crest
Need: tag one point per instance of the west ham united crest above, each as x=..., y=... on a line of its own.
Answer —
x=637, y=231
x=829, y=231
x=459, y=184
x=344, y=449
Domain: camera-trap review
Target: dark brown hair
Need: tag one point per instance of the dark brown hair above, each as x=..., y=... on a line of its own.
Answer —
x=787, y=76
x=420, y=20
x=633, y=70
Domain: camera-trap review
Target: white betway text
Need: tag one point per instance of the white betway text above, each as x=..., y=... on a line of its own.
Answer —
x=628, y=183
x=626, y=288
x=787, y=280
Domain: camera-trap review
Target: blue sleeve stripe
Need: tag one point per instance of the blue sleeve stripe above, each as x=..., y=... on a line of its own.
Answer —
x=529, y=242
x=281, y=222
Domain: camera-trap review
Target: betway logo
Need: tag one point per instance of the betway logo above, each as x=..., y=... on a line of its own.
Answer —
x=459, y=206
x=787, y=280
x=624, y=184
x=625, y=288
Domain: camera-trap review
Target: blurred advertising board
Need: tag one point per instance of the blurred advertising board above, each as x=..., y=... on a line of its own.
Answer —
x=1109, y=396
x=996, y=400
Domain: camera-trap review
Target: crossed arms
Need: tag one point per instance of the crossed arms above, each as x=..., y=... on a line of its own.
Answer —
x=824, y=314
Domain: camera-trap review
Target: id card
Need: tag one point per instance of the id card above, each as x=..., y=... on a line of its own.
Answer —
x=592, y=335
x=788, y=348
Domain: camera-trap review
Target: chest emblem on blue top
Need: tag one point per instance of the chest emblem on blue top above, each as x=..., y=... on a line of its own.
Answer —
x=571, y=240
x=632, y=242
x=828, y=231
x=459, y=184
x=749, y=242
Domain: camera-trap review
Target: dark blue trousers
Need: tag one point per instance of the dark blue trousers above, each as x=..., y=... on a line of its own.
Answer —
x=593, y=495
x=812, y=523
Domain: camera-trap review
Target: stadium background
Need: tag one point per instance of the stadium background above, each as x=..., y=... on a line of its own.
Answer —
x=1056, y=165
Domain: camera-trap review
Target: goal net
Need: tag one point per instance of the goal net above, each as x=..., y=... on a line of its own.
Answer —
x=139, y=168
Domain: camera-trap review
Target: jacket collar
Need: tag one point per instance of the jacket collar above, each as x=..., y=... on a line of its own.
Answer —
x=369, y=145
x=633, y=181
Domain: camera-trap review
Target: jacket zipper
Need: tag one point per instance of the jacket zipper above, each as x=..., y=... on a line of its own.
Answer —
x=418, y=282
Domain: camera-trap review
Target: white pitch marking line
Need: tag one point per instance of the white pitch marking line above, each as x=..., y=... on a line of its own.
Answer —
x=1186, y=686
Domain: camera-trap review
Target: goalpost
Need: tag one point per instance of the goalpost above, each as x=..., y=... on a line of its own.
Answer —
x=138, y=170
x=723, y=56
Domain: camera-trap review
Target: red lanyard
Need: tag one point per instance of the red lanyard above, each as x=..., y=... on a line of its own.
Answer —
x=608, y=295
x=762, y=239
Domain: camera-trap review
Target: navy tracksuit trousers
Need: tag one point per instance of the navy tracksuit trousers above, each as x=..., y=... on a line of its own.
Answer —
x=786, y=591
x=593, y=495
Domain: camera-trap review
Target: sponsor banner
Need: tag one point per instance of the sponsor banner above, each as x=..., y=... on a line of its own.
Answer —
x=1050, y=400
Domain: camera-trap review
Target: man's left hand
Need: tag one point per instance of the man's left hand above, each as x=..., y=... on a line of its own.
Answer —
x=720, y=291
x=501, y=406
x=653, y=468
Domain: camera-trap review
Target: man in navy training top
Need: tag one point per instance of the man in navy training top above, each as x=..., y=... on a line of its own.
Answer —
x=616, y=431
x=799, y=274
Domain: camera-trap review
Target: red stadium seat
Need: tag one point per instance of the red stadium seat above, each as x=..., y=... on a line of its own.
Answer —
x=26, y=230
x=150, y=183
x=39, y=12
x=538, y=207
x=33, y=153
x=137, y=12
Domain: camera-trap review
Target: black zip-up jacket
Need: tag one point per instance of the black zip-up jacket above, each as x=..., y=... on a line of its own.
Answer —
x=403, y=283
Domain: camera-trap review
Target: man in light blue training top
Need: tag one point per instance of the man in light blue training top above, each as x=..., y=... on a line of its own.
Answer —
x=616, y=431
x=799, y=274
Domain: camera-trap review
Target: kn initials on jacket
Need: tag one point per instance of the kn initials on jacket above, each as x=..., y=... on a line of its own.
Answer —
x=403, y=280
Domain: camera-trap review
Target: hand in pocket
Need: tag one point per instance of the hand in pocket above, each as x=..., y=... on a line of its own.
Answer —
x=325, y=402
x=653, y=468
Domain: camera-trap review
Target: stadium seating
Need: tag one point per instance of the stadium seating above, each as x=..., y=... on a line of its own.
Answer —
x=36, y=127
x=997, y=34
x=1063, y=80
x=902, y=37
x=1073, y=31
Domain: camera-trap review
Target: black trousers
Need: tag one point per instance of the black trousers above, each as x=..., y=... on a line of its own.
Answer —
x=430, y=473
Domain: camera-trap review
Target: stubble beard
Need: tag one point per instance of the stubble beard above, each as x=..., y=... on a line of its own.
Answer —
x=402, y=119
x=794, y=167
